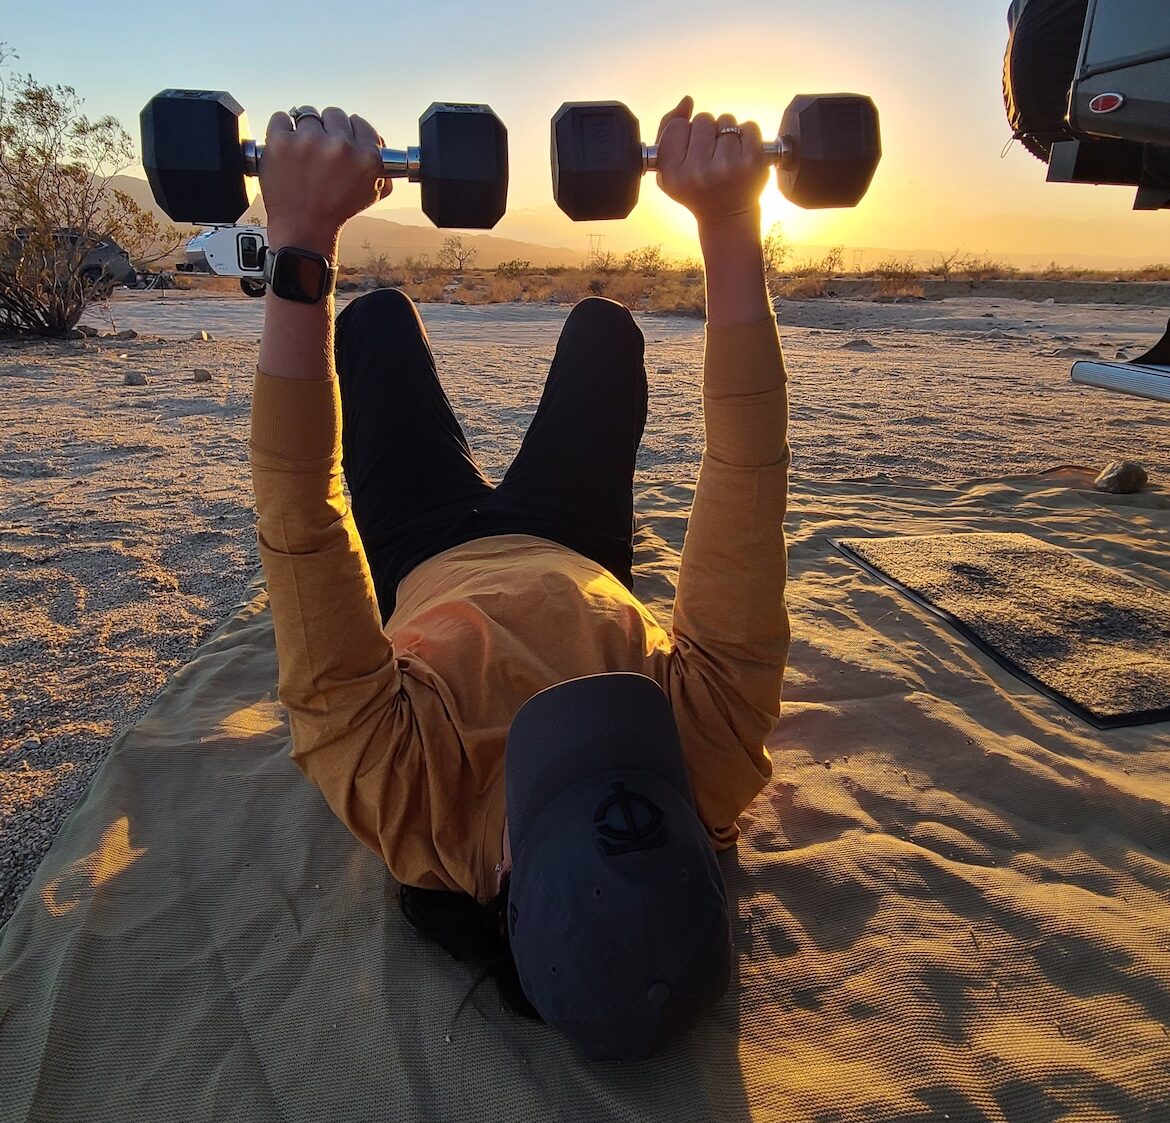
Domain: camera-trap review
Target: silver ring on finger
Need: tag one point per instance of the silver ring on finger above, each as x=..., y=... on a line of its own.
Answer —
x=730, y=129
x=299, y=112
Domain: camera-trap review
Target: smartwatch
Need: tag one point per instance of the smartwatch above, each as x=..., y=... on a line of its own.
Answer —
x=300, y=275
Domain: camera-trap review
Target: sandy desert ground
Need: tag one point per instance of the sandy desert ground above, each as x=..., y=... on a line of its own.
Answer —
x=127, y=527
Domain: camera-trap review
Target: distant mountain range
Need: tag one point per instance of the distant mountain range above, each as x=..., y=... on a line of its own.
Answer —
x=366, y=235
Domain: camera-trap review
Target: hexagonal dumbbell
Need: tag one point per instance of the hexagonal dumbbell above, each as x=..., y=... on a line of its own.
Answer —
x=201, y=165
x=827, y=151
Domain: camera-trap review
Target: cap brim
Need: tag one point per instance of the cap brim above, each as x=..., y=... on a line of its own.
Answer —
x=583, y=727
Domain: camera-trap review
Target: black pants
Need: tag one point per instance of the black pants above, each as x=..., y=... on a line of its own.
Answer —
x=415, y=487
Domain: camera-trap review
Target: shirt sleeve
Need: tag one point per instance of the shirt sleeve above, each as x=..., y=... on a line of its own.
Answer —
x=730, y=624
x=354, y=724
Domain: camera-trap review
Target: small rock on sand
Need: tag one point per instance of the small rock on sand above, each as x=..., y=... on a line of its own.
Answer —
x=202, y=336
x=858, y=345
x=1122, y=477
x=134, y=378
x=202, y=375
x=129, y=333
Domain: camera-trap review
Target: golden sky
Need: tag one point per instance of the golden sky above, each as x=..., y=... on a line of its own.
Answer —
x=932, y=66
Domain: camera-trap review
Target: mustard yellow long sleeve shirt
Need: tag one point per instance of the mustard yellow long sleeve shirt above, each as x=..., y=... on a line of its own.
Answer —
x=403, y=728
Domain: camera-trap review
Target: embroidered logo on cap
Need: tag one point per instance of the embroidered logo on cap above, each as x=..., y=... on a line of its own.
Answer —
x=640, y=823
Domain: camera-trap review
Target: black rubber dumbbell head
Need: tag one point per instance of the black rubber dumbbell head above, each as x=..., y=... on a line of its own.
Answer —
x=596, y=159
x=191, y=150
x=463, y=165
x=836, y=145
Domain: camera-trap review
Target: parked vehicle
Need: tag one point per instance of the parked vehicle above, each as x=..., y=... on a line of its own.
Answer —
x=229, y=251
x=104, y=266
x=1087, y=90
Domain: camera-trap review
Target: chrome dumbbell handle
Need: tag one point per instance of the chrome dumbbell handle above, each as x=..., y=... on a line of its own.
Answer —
x=774, y=150
x=397, y=163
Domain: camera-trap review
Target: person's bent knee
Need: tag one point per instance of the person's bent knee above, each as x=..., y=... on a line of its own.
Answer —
x=382, y=305
x=604, y=316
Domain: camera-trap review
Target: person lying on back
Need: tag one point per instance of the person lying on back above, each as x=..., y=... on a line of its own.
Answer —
x=470, y=679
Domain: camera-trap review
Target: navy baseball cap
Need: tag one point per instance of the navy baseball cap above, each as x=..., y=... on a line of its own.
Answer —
x=617, y=911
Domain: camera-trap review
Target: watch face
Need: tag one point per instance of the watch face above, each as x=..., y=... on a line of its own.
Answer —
x=299, y=276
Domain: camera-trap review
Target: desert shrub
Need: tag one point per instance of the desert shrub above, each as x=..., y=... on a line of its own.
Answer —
x=513, y=268
x=649, y=260
x=597, y=286
x=58, y=204
x=455, y=254
x=382, y=272
x=503, y=289
x=429, y=290
x=564, y=294
x=894, y=269
x=677, y=296
x=420, y=266
x=1160, y=272
x=603, y=262
x=627, y=289
x=776, y=249
x=892, y=288
x=986, y=268
x=801, y=288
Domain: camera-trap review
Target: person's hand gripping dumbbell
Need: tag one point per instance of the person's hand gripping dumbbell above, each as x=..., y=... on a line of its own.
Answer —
x=202, y=166
x=825, y=156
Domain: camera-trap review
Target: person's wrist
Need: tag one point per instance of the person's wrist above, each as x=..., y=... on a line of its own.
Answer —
x=738, y=224
x=304, y=236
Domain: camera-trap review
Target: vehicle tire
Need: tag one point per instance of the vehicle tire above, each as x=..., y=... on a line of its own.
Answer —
x=253, y=287
x=1039, y=66
x=99, y=284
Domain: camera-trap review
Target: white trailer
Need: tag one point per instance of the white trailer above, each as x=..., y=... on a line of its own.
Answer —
x=229, y=251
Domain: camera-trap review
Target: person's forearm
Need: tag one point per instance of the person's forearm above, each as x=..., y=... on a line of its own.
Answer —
x=297, y=341
x=737, y=292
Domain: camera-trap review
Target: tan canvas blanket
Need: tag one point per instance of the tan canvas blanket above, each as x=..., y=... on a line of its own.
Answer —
x=951, y=900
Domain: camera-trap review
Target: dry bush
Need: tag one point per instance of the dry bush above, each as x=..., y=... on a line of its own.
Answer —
x=503, y=289
x=672, y=294
x=58, y=204
x=514, y=268
x=894, y=269
x=429, y=290
x=207, y=283
x=1159, y=272
x=627, y=289
x=564, y=294
x=987, y=268
x=826, y=266
x=801, y=288
x=894, y=289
